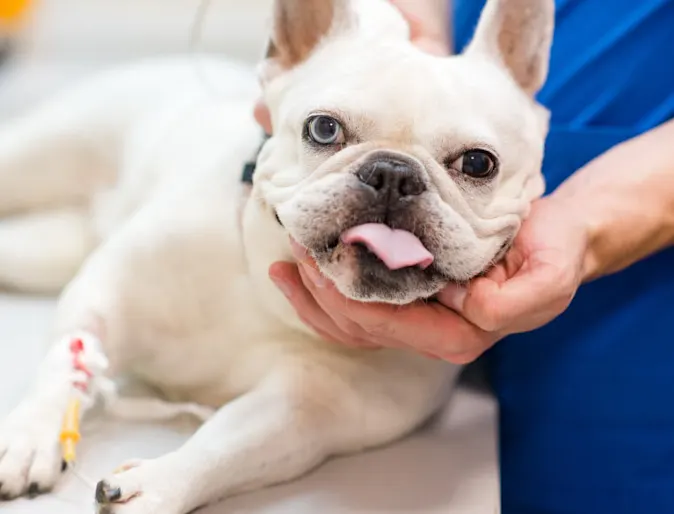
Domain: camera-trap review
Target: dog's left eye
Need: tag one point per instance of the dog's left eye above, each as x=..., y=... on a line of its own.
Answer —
x=325, y=130
x=475, y=164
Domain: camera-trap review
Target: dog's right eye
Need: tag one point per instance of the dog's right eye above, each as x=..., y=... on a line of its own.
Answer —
x=324, y=131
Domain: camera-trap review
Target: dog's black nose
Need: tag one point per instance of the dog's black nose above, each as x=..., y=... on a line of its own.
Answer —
x=393, y=177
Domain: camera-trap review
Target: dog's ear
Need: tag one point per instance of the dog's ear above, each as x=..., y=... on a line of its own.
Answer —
x=518, y=35
x=300, y=25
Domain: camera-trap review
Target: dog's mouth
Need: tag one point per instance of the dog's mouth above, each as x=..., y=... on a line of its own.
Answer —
x=379, y=262
x=395, y=248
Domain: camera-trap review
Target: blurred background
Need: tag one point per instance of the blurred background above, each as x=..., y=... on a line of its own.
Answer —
x=55, y=42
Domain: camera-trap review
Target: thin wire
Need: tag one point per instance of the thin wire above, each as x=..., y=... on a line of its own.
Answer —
x=195, y=35
x=91, y=484
x=88, y=483
x=198, y=23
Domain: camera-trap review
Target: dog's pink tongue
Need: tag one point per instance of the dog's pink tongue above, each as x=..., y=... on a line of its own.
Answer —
x=395, y=248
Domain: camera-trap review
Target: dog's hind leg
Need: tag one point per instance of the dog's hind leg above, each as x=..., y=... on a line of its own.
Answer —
x=41, y=252
x=60, y=153
x=51, y=157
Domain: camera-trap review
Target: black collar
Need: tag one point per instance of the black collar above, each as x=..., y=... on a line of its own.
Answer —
x=250, y=166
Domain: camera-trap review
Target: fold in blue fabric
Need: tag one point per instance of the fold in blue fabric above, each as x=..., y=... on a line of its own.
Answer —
x=587, y=402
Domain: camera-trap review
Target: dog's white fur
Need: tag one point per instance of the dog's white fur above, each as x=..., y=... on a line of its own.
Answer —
x=131, y=184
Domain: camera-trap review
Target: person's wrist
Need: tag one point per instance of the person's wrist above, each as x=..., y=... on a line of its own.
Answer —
x=585, y=216
x=593, y=266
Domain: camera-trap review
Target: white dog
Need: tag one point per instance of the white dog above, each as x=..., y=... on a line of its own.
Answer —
x=398, y=170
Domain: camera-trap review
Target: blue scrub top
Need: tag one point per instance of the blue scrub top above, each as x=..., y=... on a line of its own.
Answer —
x=587, y=402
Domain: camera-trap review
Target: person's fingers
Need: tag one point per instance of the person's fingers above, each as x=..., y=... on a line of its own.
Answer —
x=462, y=359
x=435, y=329
x=287, y=279
x=425, y=327
x=454, y=295
x=524, y=302
x=325, y=294
x=300, y=252
x=262, y=116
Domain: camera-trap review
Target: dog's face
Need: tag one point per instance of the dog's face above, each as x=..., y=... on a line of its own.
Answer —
x=400, y=171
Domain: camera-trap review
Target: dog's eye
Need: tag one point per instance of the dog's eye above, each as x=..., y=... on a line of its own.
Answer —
x=475, y=164
x=325, y=130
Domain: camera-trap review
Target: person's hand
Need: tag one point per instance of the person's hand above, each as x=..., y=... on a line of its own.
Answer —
x=427, y=30
x=532, y=285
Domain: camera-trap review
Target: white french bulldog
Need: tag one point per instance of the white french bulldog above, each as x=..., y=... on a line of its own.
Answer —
x=399, y=171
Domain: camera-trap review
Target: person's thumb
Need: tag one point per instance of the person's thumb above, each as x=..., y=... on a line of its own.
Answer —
x=453, y=296
x=480, y=303
x=524, y=302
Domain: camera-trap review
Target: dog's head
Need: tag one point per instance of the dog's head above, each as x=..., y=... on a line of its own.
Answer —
x=400, y=171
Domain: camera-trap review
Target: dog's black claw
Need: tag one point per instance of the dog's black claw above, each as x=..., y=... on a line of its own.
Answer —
x=34, y=490
x=5, y=497
x=106, y=494
x=64, y=466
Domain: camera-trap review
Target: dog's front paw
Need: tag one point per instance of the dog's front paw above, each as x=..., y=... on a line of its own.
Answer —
x=142, y=487
x=30, y=458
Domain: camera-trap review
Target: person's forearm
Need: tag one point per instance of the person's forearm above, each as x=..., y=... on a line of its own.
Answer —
x=626, y=199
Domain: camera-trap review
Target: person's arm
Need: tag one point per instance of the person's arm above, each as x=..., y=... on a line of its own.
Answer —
x=627, y=197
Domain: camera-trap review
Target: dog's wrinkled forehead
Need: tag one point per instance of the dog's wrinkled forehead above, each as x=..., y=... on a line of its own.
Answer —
x=396, y=93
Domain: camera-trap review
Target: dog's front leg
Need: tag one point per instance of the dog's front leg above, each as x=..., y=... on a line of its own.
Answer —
x=275, y=433
x=30, y=457
x=264, y=437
